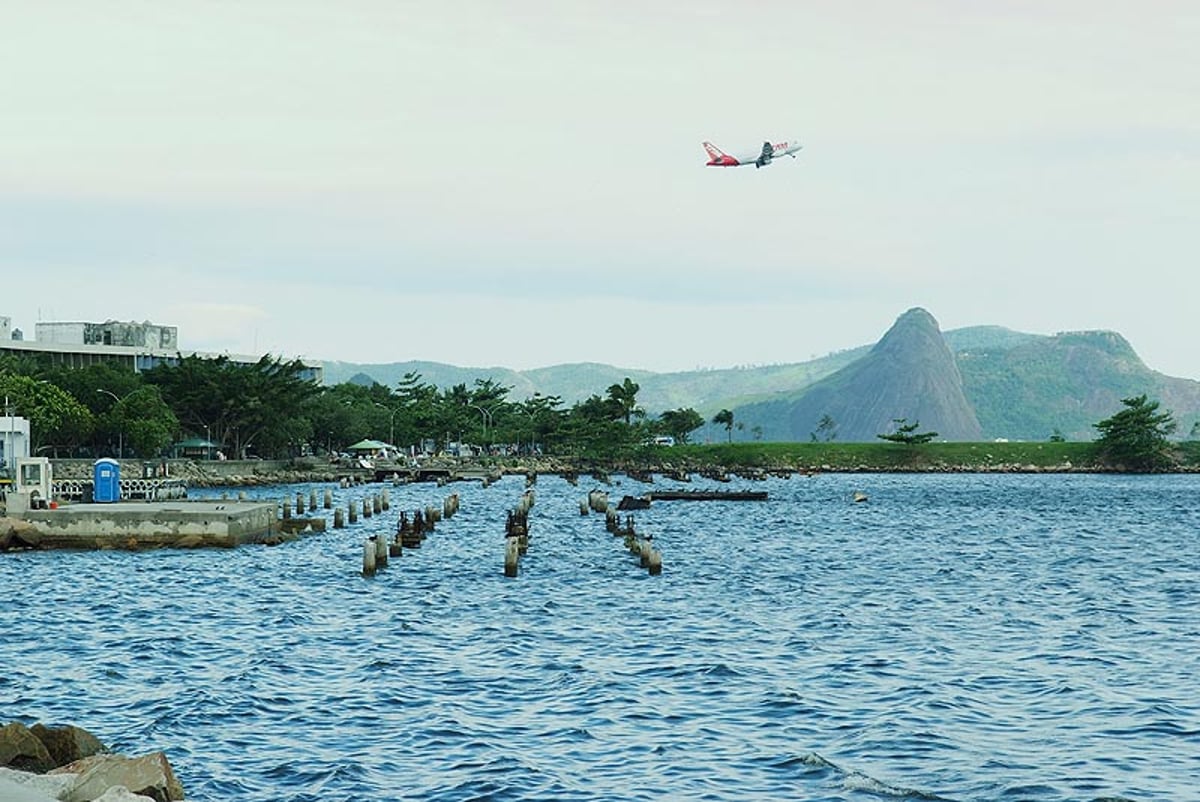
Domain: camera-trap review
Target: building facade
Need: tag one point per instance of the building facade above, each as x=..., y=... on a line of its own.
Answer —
x=132, y=346
x=14, y=441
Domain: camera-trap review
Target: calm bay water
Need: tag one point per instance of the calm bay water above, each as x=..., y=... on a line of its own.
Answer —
x=961, y=637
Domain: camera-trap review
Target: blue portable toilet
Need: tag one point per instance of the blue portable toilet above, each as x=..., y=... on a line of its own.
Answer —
x=106, y=480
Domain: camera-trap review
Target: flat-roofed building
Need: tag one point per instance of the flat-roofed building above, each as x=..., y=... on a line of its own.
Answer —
x=134, y=346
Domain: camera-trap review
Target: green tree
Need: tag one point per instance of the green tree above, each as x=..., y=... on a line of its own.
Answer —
x=56, y=418
x=239, y=406
x=146, y=422
x=624, y=398
x=826, y=429
x=725, y=418
x=1136, y=437
x=907, y=433
x=680, y=423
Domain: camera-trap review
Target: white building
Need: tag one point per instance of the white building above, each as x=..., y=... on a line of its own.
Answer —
x=14, y=441
x=110, y=332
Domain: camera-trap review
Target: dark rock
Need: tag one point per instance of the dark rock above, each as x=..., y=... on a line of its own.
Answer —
x=68, y=744
x=20, y=749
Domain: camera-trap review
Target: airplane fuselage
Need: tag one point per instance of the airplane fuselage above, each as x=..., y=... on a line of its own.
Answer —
x=768, y=152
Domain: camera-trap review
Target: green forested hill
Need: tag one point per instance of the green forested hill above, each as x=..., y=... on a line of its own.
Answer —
x=1021, y=386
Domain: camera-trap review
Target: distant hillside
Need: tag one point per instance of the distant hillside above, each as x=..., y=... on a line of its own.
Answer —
x=1018, y=386
x=911, y=373
x=706, y=390
x=1067, y=383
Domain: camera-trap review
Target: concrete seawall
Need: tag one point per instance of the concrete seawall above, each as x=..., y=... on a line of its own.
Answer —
x=141, y=525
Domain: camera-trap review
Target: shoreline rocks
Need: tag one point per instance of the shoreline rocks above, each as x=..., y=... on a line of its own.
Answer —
x=69, y=764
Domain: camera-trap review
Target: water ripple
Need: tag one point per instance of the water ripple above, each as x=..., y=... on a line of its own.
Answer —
x=957, y=637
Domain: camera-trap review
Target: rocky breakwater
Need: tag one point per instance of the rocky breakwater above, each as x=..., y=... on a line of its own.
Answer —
x=16, y=534
x=69, y=764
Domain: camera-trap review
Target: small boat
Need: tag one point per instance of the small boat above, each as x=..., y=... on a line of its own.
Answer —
x=633, y=503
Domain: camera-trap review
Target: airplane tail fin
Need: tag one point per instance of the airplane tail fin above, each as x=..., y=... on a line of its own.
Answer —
x=713, y=151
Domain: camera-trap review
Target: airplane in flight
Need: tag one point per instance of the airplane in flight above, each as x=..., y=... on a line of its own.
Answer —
x=770, y=150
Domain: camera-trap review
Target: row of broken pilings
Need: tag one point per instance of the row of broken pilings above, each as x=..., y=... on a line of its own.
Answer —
x=641, y=546
x=516, y=531
x=411, y=531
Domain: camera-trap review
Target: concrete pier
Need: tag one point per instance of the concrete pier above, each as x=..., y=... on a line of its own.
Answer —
x=141, y=525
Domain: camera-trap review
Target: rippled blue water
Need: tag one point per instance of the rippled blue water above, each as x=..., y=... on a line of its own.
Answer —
x=963, y=637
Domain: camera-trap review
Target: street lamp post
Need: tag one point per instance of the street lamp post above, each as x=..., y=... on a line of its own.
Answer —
x=391, y=422
x=486, y=415
x=120, y=429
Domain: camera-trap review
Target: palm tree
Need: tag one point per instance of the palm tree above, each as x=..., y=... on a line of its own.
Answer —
x=725, y=418
x=624, y=398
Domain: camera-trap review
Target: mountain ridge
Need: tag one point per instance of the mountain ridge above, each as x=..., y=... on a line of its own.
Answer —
x=1019, y=385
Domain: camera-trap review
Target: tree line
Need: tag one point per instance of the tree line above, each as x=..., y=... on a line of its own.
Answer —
x=268, y=409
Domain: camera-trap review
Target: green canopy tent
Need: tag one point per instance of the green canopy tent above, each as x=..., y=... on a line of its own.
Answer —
x=195, y=448
x=367, y=446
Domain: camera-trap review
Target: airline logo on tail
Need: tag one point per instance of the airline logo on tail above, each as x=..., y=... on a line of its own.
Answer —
x=768, y=152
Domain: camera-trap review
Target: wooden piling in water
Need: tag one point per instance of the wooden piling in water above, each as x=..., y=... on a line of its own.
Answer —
x=287, y=509
x=328, y=499
x=385, y=499
x=381, y=551
x=655, y=562
x=339, y=521
x=511, y=556
x=299, y=503
x=396, y=547
x=368, y=568
x=352, y=506
x=366, y=507
x=376, y=504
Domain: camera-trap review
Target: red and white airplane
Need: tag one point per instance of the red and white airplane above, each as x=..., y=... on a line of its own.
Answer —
x=770, y=150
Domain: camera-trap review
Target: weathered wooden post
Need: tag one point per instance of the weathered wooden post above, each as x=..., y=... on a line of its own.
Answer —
x=299, y=503
x=287, y=508
x=241, y=495
x=396, y=547
x=366, y=507
x=312, y=499
x=583, y=507
x=376, y=504
x=381, y=551
x=353, y=508
x=369, y=557
x=339, y=521
x=511, y=556
x=328, y=500
x=655, y=563
x=386, y=499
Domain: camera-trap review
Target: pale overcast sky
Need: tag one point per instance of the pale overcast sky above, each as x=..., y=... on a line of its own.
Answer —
x=522, y=183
